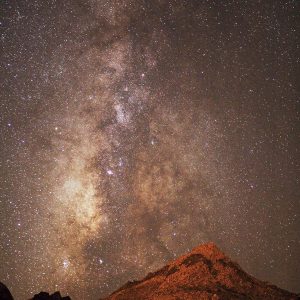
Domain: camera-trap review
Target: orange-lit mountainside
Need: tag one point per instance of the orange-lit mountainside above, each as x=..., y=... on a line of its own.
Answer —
x=204, y=273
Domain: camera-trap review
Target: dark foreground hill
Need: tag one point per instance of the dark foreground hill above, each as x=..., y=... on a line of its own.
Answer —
x=47, y=296
x=204, y=273
x=6, y=295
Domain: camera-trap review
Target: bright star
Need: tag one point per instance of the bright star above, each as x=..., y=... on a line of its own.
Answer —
x=109, y=172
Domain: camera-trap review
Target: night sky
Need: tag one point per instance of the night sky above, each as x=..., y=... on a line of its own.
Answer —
x=132, y=131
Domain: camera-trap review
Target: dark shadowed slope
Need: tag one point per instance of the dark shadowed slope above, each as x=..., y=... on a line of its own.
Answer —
x=5, y=293
x=47, y=296
x=204, y=273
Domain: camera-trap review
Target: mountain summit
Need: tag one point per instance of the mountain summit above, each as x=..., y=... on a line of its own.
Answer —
x=204, y=273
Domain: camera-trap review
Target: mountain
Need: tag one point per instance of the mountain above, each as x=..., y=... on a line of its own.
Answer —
x=5, y=293
x=204, y=273
x=47, y=296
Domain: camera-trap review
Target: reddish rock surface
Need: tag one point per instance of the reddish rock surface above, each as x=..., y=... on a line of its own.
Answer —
x=204, y=273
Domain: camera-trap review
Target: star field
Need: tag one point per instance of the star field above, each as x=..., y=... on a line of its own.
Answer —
x=132, y=131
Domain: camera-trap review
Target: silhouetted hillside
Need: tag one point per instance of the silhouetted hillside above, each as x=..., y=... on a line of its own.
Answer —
x=5, y=293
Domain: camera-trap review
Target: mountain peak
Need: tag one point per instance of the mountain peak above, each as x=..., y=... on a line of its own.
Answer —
x=204, y=273
x=209, y=250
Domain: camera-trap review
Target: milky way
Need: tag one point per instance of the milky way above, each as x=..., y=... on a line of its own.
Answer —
x=132, y=131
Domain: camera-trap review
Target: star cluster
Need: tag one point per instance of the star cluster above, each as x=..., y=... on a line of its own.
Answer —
x=132, y=131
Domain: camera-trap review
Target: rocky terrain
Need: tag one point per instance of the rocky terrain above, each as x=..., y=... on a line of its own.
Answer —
x=5, y=293
x=47, y=296
x=204, y=273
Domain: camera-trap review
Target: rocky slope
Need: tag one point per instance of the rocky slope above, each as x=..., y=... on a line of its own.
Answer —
x=205, y=273
x=5, y=293
x=47, y=296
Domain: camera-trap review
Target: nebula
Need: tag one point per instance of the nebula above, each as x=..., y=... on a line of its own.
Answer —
x=135, y=130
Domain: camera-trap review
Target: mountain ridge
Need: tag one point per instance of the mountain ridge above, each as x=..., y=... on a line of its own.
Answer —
x=204, y=273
